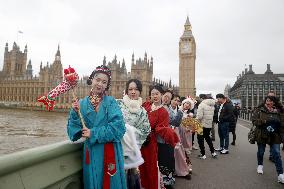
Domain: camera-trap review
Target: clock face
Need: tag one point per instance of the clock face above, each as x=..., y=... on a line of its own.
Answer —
x=185, y=48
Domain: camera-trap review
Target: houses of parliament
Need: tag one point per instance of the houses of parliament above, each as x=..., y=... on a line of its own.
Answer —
x=20, y=86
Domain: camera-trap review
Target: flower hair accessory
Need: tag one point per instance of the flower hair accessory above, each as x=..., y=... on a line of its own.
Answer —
x=100, y=69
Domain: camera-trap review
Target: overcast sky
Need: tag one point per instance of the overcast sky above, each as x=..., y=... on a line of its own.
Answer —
x=229, y=34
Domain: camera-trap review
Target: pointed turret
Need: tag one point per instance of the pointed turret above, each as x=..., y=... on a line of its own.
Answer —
x=29, y=70
x=26, y=49
x=104, y=61
x=15, y=46
x=6, y=48
x=132, y=59
x=187, y=29
x=58, y=55
x=145, y=57
x=123, y=63
x=58, y=51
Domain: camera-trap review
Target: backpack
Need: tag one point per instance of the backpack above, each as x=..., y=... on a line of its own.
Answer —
x=251, y=135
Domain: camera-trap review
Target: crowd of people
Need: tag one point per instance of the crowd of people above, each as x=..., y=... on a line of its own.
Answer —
x=146, y=143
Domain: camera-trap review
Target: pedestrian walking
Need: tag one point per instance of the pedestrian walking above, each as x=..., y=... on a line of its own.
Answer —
x=205, y=113
x=269, y=121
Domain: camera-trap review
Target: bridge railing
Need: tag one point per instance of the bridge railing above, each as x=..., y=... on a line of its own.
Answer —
x=52, y=166
x=246, y=114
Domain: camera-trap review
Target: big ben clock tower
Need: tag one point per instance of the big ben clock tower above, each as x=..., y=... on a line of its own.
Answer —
x=187, y=55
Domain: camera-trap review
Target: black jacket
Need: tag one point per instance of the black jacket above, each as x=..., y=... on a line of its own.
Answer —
x=227, y=113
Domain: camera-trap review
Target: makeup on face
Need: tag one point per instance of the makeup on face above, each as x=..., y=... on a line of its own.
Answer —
x=175, y=102
x=186, y=106
x=99, y=83
x=156, y=96
x=133, y=92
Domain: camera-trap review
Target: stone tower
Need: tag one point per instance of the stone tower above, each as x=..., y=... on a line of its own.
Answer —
x=118, y=77
x=52, y=73
x=143, y=71
x=15, y=61
x=29, y=71
x=187, y=55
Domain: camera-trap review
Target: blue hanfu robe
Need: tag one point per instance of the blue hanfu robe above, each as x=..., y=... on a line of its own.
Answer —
x=106, y=125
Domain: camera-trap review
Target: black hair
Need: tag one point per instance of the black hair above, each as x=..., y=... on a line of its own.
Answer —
x=176, y=96
x=137, y=82
x=170, y=91
x=276, y=102
x=157, y=87
x=182, y=98
x=220, y=96
x=203, y=96
x=100, y=69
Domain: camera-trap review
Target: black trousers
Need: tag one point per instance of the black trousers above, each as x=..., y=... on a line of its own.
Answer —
x=232, y=129
x=206, y=136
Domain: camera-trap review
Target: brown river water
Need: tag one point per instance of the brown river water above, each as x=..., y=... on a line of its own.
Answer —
x=24, y=129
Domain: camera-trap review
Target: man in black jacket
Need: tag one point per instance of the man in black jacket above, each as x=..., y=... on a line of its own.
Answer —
x=225, y=117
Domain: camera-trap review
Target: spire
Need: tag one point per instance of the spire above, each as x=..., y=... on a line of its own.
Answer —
x=58, y=51
x=104, y=61
x=187, y=25
x=26, y=49
x=123, y=63
x=30, y=63
x=132, y=60
x=187, y=29
x=6, y=48
x=145, y=57
x=14, y=45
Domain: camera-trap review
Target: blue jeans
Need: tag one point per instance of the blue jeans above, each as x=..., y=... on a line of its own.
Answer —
x=223, y=131
x=275, y=149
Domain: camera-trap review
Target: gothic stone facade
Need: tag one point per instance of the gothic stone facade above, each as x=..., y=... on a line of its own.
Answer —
x=18, y=85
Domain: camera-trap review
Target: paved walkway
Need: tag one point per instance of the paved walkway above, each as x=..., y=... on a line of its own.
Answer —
x=237, y=170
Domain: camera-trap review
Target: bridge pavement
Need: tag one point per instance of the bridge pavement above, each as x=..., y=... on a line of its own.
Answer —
x=236, y=170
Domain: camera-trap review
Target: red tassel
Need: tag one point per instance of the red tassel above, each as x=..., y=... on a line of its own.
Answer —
x=87, y=161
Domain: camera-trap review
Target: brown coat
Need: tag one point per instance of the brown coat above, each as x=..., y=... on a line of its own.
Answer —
x=259, y=118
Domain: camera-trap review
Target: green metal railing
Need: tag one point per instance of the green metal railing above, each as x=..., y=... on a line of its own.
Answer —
x=52, y=166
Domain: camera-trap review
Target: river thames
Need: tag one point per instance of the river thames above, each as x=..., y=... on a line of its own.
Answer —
x=24, y=129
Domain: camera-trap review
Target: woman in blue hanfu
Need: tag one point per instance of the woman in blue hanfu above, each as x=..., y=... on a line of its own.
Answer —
x=103, y=163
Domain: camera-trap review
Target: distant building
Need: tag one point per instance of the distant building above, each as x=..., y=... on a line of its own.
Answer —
x=251, y=88
x=18, y=85
x=226, y=90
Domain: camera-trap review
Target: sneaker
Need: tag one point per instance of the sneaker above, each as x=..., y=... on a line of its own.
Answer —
x=214, y=155
x=195, y=147
x=219, y=149
x=281, y=178
x=224, y=151
x=260, y=169
x=202, y=156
